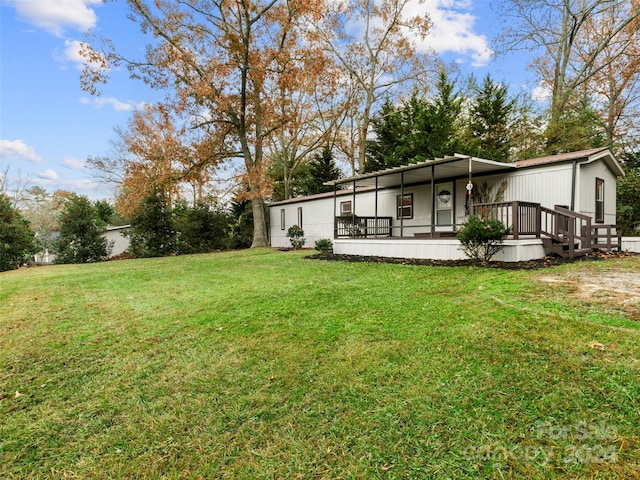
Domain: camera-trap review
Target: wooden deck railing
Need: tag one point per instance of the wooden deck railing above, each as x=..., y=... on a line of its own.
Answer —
x=522, y=217
x=572, y=233
x=606, y=237
x=353, y=226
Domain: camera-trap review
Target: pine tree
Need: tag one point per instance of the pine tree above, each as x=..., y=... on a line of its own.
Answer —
x=322, y=168
x=490, y=120
x=152, y=230
x=444, y=112
x=417, y=130
x=388, y=125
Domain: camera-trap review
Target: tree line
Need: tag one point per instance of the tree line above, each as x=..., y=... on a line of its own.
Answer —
x=72, y=228
x=254, y=89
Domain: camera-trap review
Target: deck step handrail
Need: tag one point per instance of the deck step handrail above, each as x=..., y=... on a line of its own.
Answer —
x=567, y=227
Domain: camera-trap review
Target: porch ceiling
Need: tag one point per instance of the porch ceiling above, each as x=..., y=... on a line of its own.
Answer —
x=448, y=167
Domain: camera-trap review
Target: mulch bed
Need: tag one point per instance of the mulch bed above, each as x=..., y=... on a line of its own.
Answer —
x=549, y=261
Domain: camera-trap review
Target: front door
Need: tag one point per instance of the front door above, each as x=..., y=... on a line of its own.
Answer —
x=444, y=204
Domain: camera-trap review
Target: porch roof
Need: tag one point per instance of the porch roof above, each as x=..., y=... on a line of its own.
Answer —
x=453, y=166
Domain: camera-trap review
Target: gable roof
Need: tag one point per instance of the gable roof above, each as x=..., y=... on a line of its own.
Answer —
x=587, y=156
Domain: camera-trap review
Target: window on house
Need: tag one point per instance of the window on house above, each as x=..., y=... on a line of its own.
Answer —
x=599, y=200
x=345, y=207
x=405, y=206
x=300, y=217
x=282, y=219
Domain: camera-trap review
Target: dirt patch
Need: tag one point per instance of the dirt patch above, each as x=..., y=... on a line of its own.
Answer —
x=614, y=290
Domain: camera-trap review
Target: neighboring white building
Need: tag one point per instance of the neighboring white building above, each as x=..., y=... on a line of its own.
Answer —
x=116, y=236
x=562, y=203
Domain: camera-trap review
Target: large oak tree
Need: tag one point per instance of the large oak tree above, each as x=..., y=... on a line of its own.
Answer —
x=221, y=60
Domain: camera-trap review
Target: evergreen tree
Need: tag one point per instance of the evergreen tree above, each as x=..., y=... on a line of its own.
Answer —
x=628, y=204
x=631, y=160
x=16, y=236
x=152, y=230
x=490, y=118
x=82, y=228
x=417, y=130
x=388, y=125
x=444, y=119
x=322, y=168
x=286, y=184
x=242, y=223
x=526, y=130
x=201, y=229
x=578, y=127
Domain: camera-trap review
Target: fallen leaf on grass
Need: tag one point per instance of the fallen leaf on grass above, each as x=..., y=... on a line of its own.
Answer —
x=597, y=346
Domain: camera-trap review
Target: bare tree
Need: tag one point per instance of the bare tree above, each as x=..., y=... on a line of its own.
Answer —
x=372, y=42
x=569, y=59
x=14, y=187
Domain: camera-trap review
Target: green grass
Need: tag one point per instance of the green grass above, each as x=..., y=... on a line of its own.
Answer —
x=262, y=364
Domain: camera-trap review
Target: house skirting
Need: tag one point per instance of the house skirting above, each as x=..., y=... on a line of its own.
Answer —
x=433, y=249
x=631, y=244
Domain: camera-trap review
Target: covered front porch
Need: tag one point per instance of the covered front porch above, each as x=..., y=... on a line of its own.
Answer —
x=418, y=209
x=424, y=200
x=535, y=232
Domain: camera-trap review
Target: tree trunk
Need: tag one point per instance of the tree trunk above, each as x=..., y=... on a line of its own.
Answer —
x=260, y=238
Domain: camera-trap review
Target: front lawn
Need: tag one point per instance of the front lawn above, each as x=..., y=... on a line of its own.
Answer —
x=263, y=364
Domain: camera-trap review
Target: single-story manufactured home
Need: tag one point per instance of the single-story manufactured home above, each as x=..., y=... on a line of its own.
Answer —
x=564, y=204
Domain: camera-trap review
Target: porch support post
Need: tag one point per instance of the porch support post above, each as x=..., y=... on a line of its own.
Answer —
x=433, y=200
x=515, y=216
x=353, y=213
x=335, y=212
x=401, y=209
x=375, y=212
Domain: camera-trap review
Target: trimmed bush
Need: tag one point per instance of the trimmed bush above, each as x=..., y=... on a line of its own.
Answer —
x=324, y=245
x=296, y=237
x=482, y=237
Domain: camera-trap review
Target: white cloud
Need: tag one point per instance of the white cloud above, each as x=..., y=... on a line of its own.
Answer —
x=49, y=179
x=18, y=150
x=55, y=16
x=71, y=53
x=541, y=93
x=48, y=175
x=73, y=163
x=83, y=184
x=117, y=105
x=452, y=30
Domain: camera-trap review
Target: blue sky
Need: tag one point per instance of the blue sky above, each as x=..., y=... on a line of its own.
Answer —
x=49, y=125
